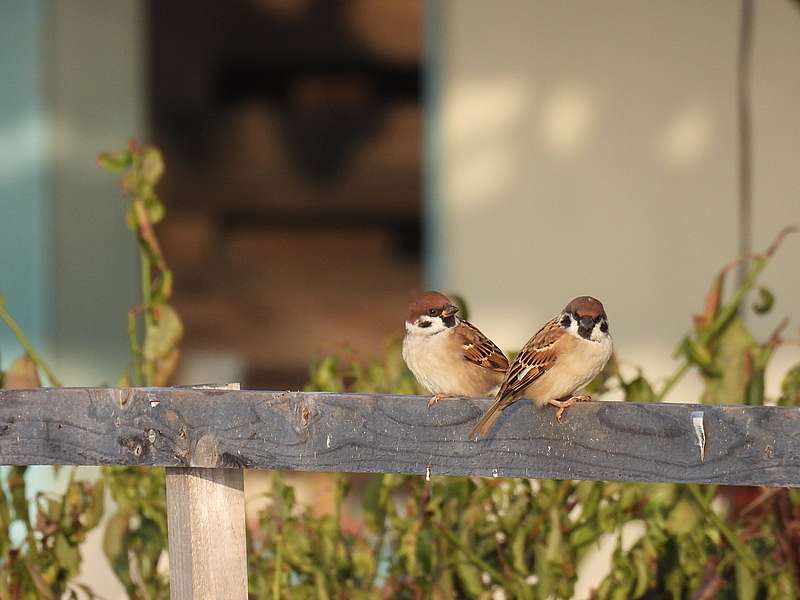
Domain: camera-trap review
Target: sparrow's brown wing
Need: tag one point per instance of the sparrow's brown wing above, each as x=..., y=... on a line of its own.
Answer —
x=481, y=350
x=536, y=357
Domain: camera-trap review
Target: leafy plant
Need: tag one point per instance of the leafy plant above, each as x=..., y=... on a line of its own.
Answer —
x=438, y=537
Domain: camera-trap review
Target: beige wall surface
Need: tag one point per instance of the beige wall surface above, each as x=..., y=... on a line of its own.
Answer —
x=591, y=148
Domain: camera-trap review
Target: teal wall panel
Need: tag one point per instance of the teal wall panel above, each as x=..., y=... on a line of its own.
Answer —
x=23, y=214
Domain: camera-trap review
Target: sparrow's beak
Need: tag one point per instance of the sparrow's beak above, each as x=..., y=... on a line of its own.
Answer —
x=586, y=323
x=449, y=310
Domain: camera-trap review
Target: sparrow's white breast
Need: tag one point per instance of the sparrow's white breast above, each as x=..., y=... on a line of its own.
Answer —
x=438, y=363
x=579, y=361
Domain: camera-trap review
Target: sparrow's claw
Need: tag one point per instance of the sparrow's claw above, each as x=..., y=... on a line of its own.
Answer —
x=563, y=405
x=436, y=398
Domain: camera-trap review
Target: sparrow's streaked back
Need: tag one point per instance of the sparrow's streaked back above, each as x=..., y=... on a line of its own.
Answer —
x=564, y=355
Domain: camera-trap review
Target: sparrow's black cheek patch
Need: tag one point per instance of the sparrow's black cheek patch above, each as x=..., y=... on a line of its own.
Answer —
x=425, y=324
x=449, y=321
x=566, y=321
x=604, y=327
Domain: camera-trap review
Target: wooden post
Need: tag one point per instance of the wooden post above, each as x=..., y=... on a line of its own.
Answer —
x=206, y=521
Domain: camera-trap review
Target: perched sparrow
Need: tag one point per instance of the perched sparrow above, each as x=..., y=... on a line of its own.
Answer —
x=448, y=356
x=563, y=356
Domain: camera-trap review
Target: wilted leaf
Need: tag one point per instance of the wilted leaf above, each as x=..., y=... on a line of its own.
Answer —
x=22, y=374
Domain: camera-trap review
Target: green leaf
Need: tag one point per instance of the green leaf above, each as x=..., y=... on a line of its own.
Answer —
x=461, y=303
x=114, y=537
x=115, y=162
x=746, y=584
x=94, y=512
x=155, y=211
x=766, y=299
x=5, y=523
x=152, y=165
x=683, y=518
x=700, y=355
x=163, y=335
x=16, y=486
x=639, y=390
x=642, y=574
x=583, y=535
x=730, y=356
x=67, y=555
x=790, y=388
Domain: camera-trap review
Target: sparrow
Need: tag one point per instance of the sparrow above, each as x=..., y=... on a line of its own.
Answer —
x=447, y=355
x=564, y=355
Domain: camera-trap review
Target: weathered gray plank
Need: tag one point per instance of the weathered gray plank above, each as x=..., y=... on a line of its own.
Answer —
x=374, y=433
x=206, y=523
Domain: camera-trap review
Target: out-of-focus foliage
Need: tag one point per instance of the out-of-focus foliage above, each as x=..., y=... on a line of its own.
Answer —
x=438, y=537
x=491, y=538
x=39, y=545
x=154, y=359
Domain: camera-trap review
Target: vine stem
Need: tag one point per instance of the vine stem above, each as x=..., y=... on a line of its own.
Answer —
x=471, y=556
x=26, y=344
x=147, y=292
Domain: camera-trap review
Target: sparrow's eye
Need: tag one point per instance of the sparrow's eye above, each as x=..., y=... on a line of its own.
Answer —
x=566, y=321
x=433, y=312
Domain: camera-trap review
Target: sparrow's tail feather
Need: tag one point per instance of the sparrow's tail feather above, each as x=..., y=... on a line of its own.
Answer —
x=487, y=420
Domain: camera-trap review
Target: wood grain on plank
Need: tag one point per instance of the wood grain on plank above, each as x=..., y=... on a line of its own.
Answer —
x=206, y=524
x=388, y=433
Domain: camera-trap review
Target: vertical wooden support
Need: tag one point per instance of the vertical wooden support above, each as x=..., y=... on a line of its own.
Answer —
x=206, y=521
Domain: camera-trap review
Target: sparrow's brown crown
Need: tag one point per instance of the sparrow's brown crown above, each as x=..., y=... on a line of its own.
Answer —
x=585, y=306
x=429, y=301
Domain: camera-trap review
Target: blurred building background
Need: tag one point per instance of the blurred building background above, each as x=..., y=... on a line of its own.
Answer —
x=314, y=182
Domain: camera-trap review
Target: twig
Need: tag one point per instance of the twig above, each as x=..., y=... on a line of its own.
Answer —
x=744, y=62
x=470, y=555
x=26, y=345
x=136, y=350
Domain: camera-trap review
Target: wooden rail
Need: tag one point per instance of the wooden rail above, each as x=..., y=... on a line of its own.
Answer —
x=206, y=436
x=310, y=431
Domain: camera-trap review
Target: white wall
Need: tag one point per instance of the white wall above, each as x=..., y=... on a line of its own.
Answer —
x=95, y=85
x=590, y=148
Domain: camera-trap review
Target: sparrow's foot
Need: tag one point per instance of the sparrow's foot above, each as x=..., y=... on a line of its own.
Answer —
x=563, y=405
x=436, y=398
